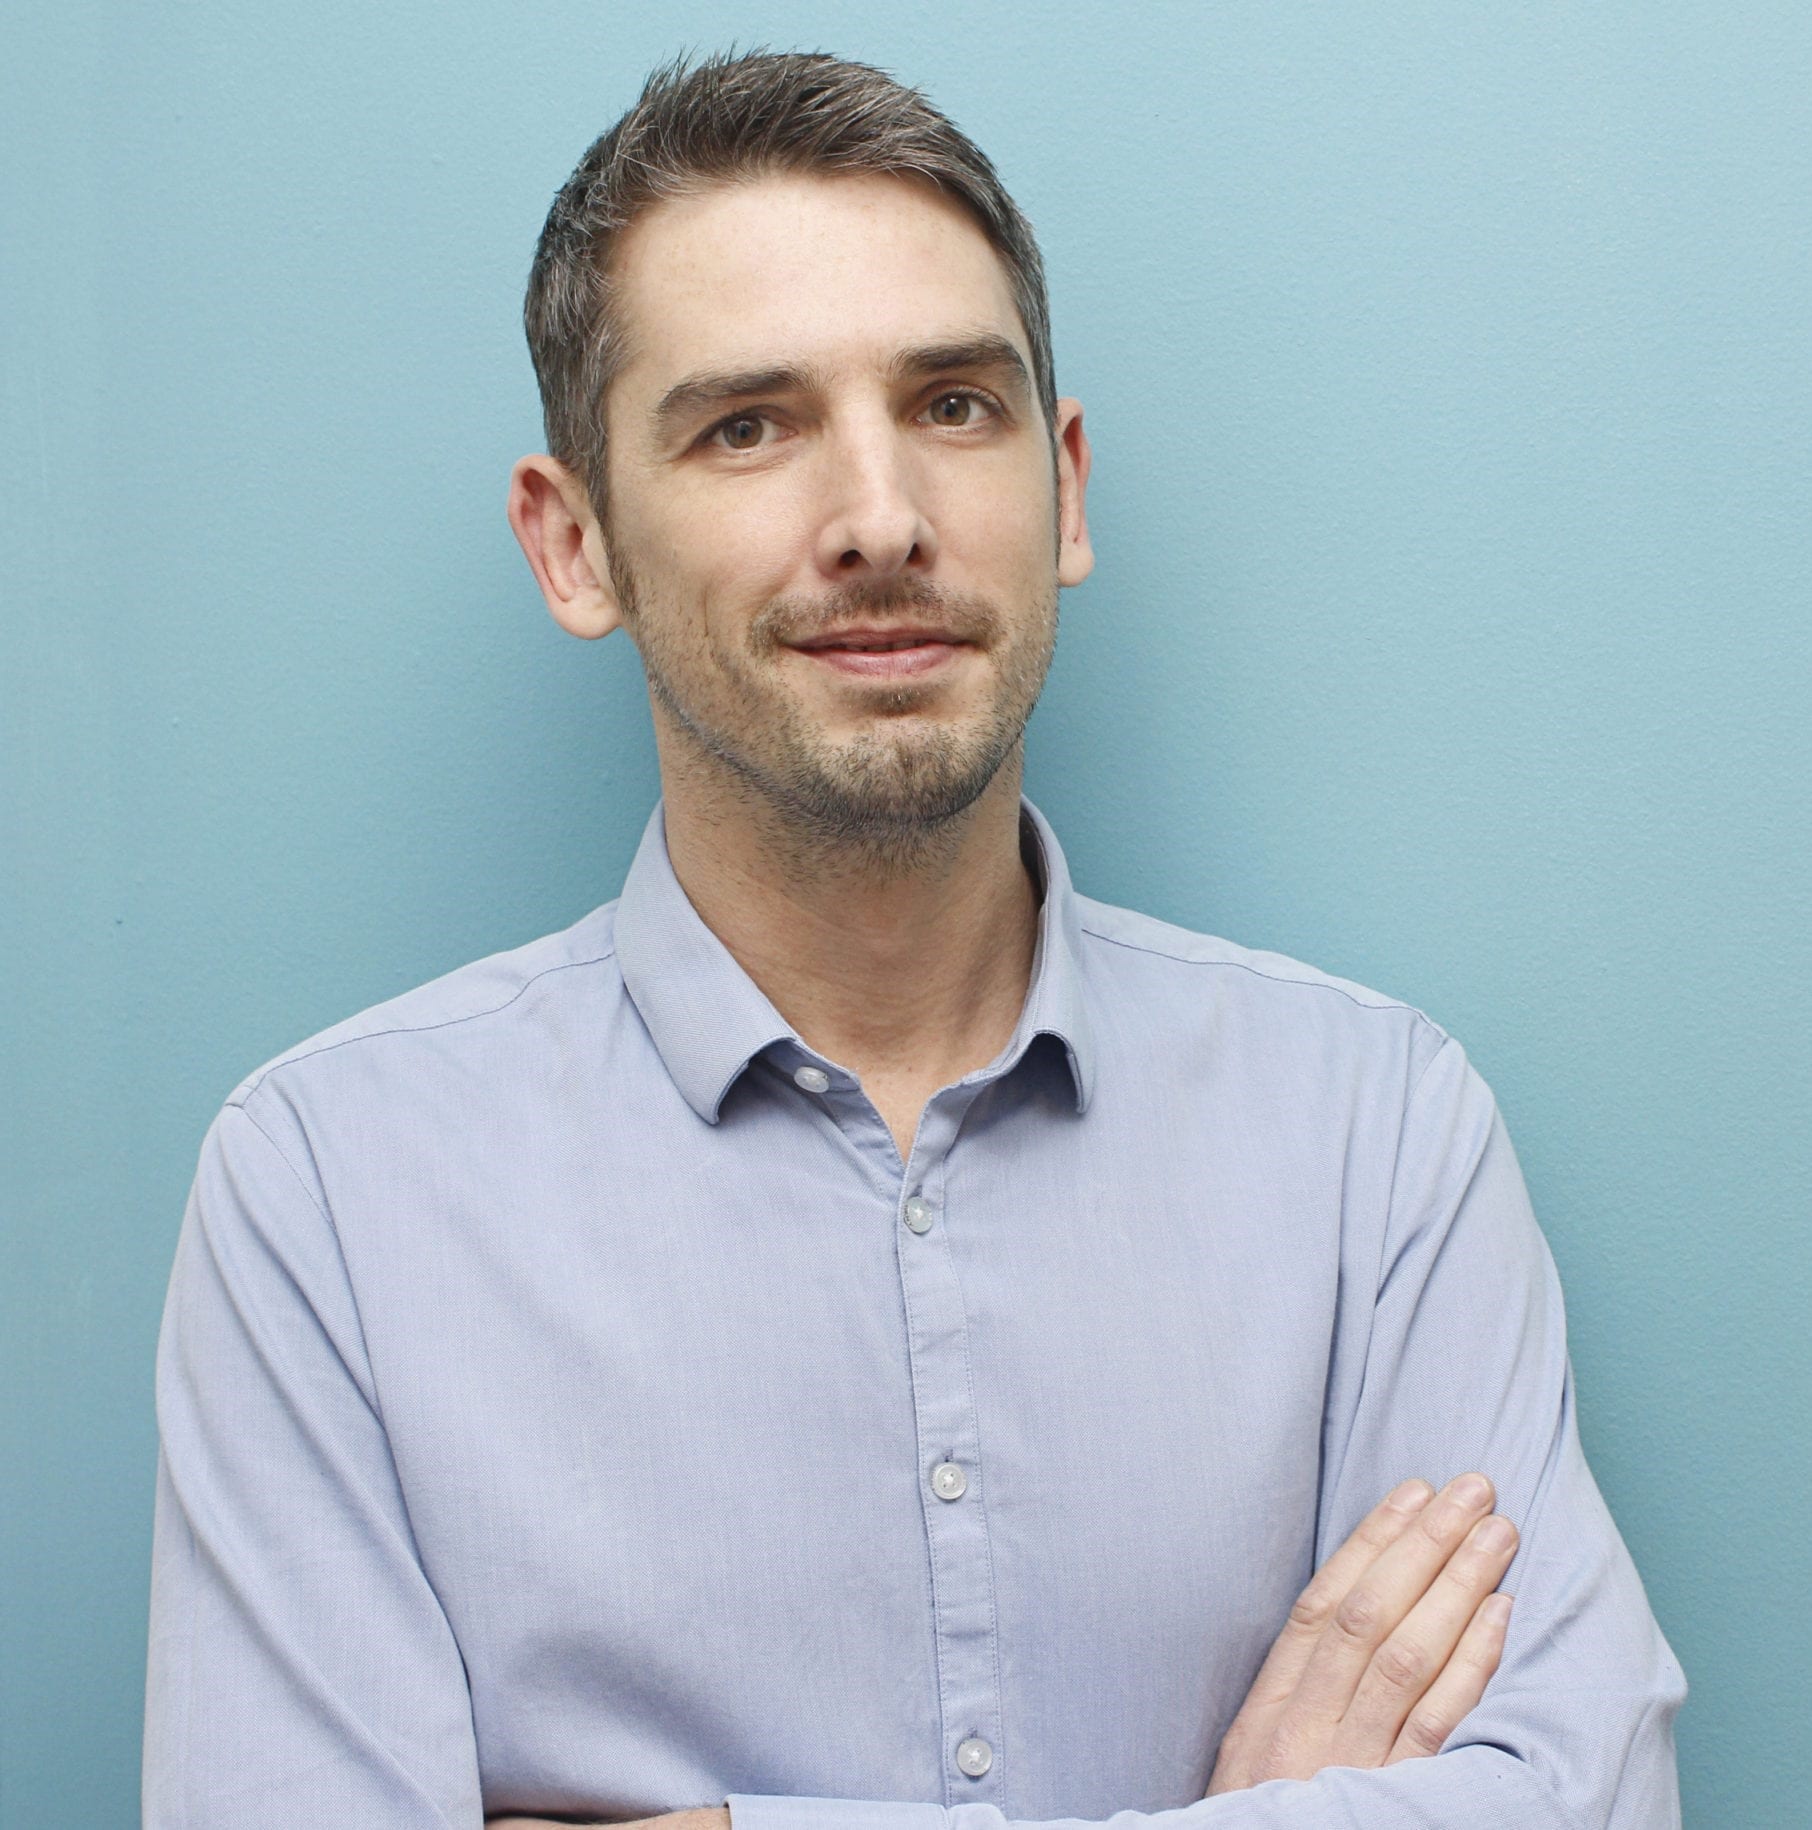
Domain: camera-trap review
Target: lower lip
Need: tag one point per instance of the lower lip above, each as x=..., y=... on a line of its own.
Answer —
x=885, y=663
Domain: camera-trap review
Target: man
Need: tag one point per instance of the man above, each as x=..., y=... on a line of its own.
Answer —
x=854, y=1329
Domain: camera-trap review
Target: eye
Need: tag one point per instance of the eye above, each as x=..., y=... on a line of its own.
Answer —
x=958, y=407
x=740, y=432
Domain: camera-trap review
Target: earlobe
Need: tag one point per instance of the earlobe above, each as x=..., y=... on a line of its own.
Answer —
x=557, y=529
x=1075, y=553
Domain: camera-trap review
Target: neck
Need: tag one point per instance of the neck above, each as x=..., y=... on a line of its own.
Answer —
x=905, y=961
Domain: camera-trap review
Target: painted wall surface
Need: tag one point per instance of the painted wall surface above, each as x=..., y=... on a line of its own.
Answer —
x=1450, y=374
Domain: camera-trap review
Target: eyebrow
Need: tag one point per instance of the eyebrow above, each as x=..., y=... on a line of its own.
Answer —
x=985, y=350
x=701, y=393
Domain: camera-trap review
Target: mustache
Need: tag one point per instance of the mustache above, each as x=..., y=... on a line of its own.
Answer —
x=787, y=620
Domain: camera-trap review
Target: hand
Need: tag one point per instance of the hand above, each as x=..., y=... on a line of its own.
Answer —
x=706, y=1817
x=1387, y=1649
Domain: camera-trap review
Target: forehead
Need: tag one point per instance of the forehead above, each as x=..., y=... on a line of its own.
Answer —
x=836, y=271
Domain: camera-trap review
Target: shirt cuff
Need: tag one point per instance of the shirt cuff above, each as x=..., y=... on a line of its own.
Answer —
x=757, y=1812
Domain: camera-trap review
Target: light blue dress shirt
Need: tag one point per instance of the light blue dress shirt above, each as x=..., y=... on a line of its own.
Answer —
x=572, y=1405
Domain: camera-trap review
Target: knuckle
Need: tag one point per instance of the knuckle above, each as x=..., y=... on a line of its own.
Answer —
x=1402, y=1664
x=1475, y=1568
x=1436, y=1524
x=1269, y=1694
x=1311, y=1607
x=1359, y=1612
x=1426, y=1731
x=1468, y=1575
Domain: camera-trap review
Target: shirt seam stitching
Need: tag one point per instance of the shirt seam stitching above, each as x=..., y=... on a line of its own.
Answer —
x=1273, y=978
x=406, y=1029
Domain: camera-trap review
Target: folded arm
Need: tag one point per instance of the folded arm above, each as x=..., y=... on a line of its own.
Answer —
x=277, y=1481
x=1465, y=1368
x=1384, y=1653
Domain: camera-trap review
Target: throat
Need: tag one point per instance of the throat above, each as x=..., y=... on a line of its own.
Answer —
x=909, y=977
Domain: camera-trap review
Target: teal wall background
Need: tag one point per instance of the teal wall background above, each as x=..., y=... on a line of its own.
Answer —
x=1450, y=375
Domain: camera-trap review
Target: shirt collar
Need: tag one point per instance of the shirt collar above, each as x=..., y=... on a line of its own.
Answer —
x=709, y=1019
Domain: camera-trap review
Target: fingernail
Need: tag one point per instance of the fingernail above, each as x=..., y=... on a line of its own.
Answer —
x=1412, y=1496
x=1472, y=1490
x=1494, y=1534
x=1497, y=1610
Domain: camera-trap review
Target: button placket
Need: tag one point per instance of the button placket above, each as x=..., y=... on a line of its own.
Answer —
x=953, y=1503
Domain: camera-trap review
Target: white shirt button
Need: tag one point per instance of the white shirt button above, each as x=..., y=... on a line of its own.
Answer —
x=949, y=1482
x=813, y=1079
x=974, y=1756
x=918, y=1213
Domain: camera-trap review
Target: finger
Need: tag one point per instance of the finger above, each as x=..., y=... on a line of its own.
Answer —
x=1375, y=1605
x=1276, y=1681
x=1411, y=1660
x=1314, y=1607
x=1456, y=1692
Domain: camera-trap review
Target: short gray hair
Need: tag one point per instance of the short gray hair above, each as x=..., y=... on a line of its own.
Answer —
x=727, y=119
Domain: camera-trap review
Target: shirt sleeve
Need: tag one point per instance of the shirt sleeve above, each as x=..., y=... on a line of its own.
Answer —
x=1465, y=1366
x=301, y=1670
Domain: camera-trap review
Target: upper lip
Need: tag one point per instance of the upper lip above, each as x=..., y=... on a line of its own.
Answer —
x=877, y=635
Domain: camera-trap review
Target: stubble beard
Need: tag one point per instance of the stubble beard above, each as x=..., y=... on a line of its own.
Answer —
x=892, y=795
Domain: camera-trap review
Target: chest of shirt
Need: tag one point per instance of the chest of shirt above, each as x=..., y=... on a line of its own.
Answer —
x=682, y=1411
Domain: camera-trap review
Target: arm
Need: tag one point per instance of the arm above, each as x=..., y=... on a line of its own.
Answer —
x=1465, y=1367
x=715, y=1817
x=1383, y=1655
x=301, y=1668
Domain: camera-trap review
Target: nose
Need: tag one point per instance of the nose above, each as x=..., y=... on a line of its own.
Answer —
x=876, y=522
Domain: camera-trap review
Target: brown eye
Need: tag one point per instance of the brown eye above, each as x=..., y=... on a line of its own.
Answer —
x=953, y=409
x=742, y=434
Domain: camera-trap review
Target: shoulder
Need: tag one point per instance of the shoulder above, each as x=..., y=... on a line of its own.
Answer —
x=1196, y=965
x=478, y=1007
x=1264, y=1029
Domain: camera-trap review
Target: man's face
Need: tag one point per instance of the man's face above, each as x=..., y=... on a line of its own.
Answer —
x=834, y=523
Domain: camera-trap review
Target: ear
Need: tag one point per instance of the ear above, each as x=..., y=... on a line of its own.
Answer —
x=559, y=533
x=1075, y=556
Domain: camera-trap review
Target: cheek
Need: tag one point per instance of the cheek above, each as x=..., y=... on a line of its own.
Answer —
x=738, y=553
x=696, y=578
x=1002, y=515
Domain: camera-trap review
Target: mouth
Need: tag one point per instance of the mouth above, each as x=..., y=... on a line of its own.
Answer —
x=895, y=652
